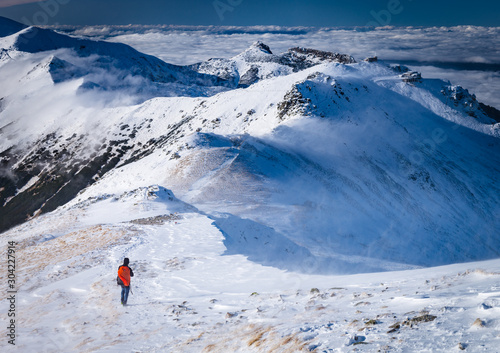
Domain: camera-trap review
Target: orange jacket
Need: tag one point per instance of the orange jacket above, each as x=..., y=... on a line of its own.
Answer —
x=124, y=274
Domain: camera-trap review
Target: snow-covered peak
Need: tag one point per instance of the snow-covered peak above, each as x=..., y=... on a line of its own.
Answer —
x=259, y=63
x=257, y=52
x=306, y=57
x=262, y=47
x=298, y=58
x=101, y=60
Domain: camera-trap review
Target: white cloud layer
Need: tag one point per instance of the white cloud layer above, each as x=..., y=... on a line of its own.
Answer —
x=476, y=49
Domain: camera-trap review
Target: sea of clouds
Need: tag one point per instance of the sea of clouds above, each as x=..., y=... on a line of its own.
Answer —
x=464, y=55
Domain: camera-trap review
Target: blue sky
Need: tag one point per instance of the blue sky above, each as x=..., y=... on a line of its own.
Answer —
x=255, y=12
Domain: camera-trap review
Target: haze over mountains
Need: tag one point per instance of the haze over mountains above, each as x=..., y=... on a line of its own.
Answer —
x=465, y=55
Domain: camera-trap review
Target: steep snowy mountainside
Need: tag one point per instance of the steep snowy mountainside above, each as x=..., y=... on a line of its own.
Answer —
x=93, y=58
x=450, y=101
x=347, y=168
x=190, y=295
x=54, y=91
x=361, y=167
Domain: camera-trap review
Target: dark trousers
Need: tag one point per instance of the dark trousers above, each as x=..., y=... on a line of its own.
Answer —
x=125, y=291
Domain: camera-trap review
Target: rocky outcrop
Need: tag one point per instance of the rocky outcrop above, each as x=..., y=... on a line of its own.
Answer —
x=259, y=63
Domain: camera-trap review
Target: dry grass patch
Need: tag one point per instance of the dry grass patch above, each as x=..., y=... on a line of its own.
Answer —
x=252, y=338
x=33, y=256
x=256, y=337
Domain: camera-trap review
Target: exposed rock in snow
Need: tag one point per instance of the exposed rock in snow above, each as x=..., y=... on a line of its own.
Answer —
x=259, y=63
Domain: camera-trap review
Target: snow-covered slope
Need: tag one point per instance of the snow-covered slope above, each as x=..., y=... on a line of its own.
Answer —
x=190, y=295
x=34, y=40
x=103, y=66
x=373, y=175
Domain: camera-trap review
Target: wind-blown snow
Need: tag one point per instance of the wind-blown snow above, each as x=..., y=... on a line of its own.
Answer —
x=190, y=297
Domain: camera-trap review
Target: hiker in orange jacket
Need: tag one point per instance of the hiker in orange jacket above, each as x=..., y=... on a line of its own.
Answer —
x=124, y=274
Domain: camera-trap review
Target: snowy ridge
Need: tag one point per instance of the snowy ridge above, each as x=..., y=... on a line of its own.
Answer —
x=107, y=66
x=33, y=40
x=258, y=63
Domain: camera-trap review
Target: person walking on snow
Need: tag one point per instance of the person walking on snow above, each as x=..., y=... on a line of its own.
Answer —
x=124, y=274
